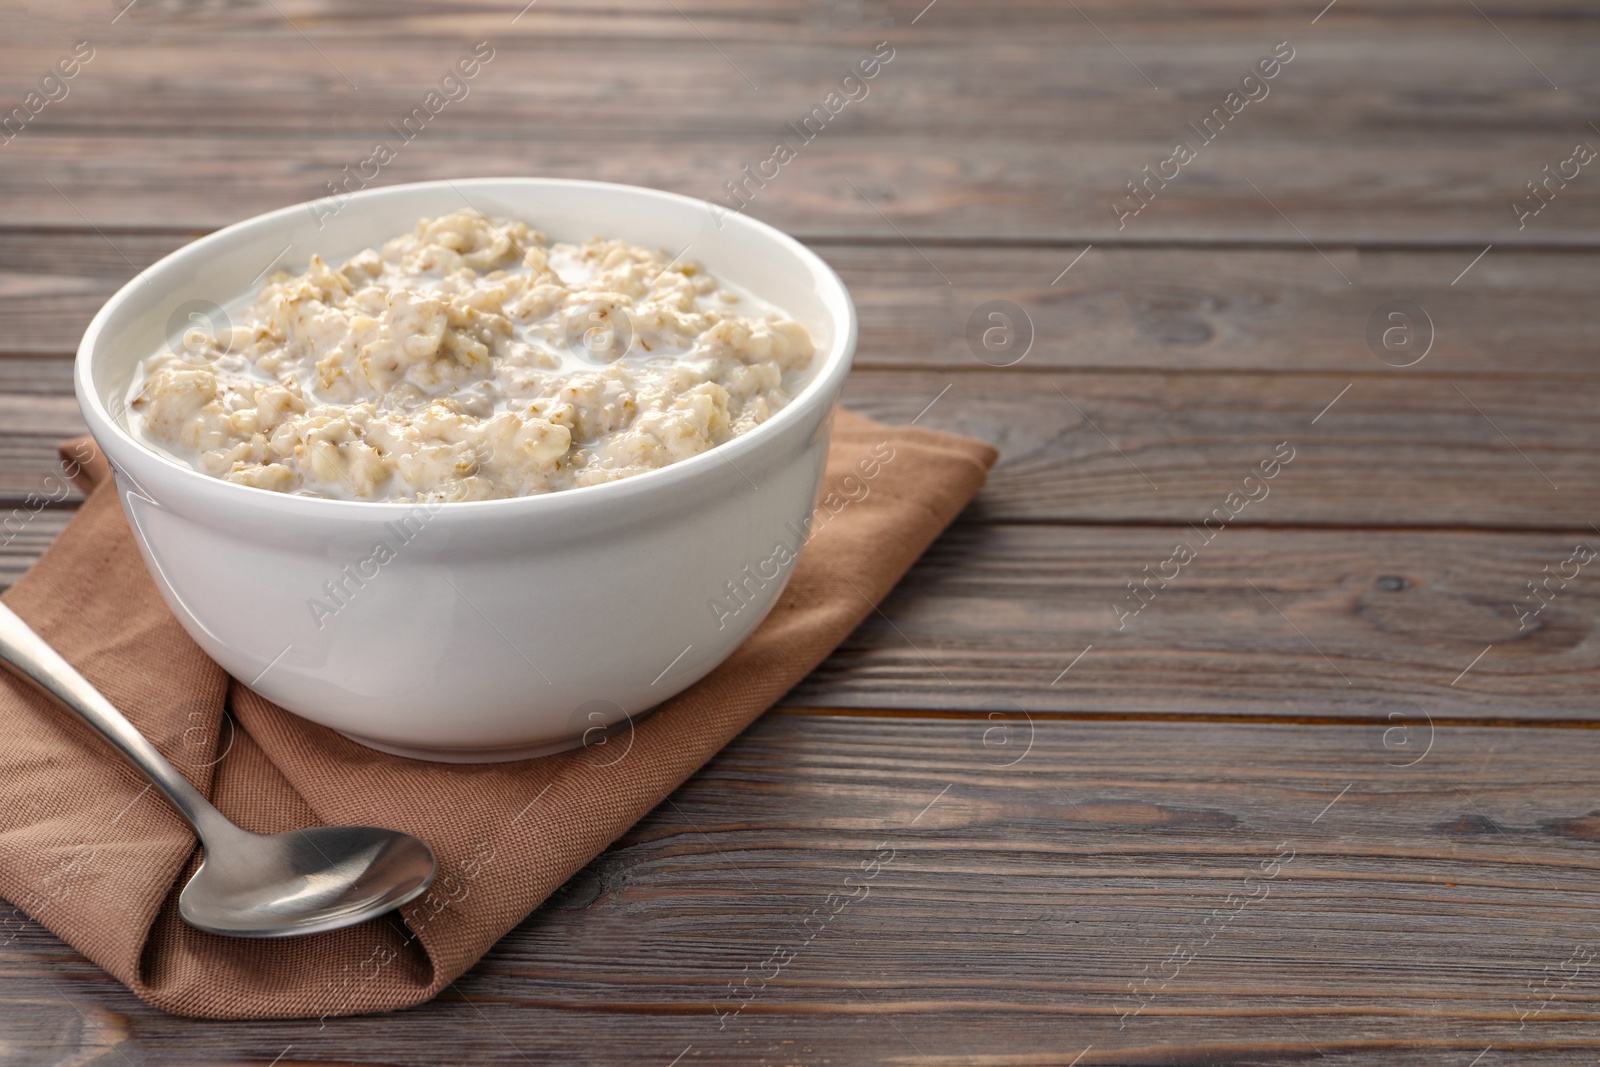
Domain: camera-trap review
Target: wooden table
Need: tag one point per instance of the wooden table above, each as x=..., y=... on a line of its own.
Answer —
x=1329, y=795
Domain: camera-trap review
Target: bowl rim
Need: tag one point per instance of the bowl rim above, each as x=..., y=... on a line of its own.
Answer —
x=826, y=378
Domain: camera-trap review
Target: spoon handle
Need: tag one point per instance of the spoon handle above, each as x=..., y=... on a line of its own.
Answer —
x=27, y=655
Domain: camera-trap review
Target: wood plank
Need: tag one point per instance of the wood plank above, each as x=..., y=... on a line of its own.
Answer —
x=542, y=87
x=1318, y=624
x=1449, y=195
x=46, y=302
x=734, y=20
x=1167, y=448
x=1121, y=308
x=36, y=375
x=1393, y=450
x=1433, y=147
x=1410, y=915
x=1261, y=622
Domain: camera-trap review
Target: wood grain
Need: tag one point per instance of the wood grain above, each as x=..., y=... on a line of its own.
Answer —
x=1513, y=313
x=907, y=183
x=166, y=126
x=1021, y=902
x=550, y=85
x=1301, y=622
x=796, y=20
x=1393, y=450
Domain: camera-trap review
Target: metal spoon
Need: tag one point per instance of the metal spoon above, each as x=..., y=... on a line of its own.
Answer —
x=250, y=885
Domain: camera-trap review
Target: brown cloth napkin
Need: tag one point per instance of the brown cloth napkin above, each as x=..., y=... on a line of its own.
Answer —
x=88, y=849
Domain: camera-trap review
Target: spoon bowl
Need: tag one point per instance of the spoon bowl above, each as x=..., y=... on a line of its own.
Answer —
x=305, y=881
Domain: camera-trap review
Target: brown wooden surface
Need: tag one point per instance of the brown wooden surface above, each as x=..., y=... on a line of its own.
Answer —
x=1341, y=672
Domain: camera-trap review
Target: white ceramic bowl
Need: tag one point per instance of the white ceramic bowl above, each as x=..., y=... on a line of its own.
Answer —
x=499, y=629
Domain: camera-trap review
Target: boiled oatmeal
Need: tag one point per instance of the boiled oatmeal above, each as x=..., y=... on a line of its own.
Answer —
x=468, y=360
